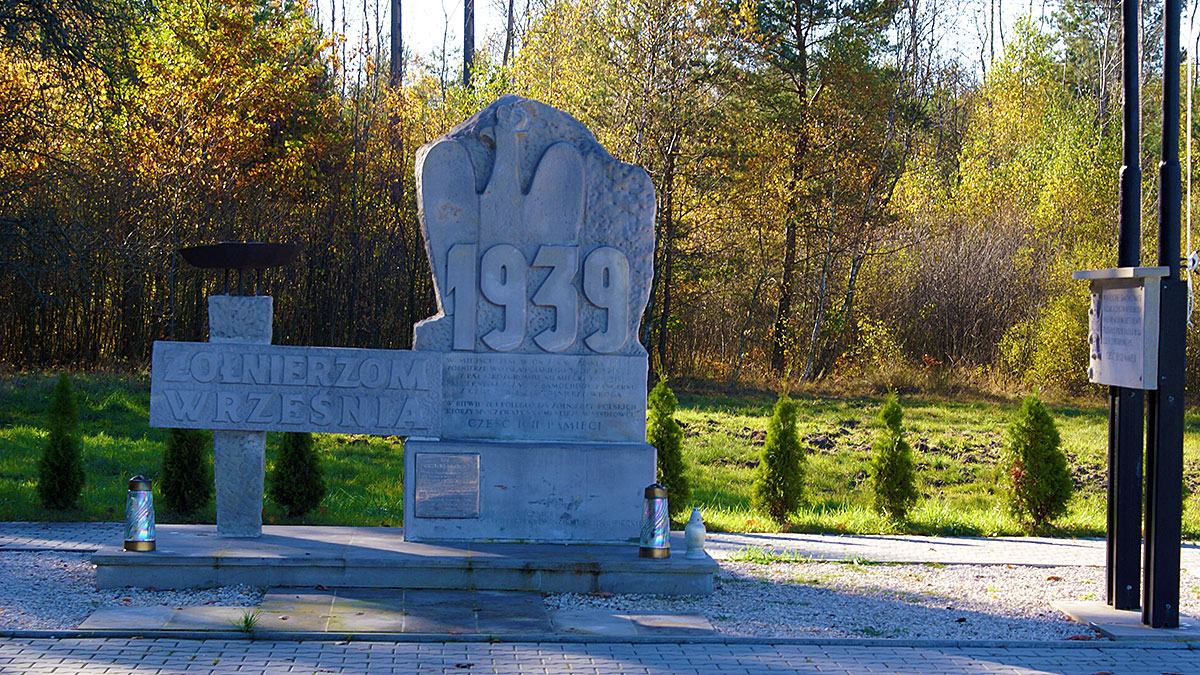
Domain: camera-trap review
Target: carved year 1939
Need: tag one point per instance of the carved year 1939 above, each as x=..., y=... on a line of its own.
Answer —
x=501, y=275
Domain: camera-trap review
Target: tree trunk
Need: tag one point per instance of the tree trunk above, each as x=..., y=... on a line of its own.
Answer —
x=468, y=41
x=782, y=331
x=396, y=67
x=668, y=234
x=508, y=35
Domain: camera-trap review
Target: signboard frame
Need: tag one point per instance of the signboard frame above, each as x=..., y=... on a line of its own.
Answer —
x=1122, y=287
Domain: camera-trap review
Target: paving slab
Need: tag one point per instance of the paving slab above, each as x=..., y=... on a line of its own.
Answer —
x=203, y=618
x=208, y=618
x=129, y=618
x=294, y=610
x=591, y=622
x=671, y=624
x=618, y=624
x=1125, y=624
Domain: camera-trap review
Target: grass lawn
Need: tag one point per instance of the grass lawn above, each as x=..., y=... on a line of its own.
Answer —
x=364, y=474
x=956, y=443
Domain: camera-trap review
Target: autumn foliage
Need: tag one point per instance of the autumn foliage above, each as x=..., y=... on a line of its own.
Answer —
x=836, y=194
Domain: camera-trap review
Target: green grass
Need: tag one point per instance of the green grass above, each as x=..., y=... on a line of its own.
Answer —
x=956, y=444
x=365, y=474
x=762, y=556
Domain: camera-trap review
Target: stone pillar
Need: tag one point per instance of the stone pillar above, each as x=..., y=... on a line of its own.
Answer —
x=239, y=457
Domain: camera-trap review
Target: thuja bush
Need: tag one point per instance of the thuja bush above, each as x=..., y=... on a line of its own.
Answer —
x=187, y=475
x=1039, y=480
x=663, y=432
x=60, y=469
x=297, y=482
x=780, y=480
x=893, y=476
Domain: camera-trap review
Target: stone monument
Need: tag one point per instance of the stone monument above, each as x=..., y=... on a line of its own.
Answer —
x=541, y=246
x=524, y=399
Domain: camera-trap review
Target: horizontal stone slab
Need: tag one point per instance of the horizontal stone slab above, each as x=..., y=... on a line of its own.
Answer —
x=249, y=387
x=544, y=397
x=192, y=556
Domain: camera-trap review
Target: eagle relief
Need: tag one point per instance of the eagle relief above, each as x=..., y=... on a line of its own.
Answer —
x=540, y=242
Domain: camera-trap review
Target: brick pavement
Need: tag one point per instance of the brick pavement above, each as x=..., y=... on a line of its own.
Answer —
x=147, y=656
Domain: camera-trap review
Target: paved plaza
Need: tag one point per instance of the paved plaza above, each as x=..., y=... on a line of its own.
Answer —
x=243, y=656
x=75, y=652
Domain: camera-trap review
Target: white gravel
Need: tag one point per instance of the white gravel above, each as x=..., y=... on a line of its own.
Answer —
x=55, y=590
x=955, y=602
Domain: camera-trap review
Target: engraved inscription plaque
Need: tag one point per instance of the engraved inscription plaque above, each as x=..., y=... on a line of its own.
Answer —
x=447, y=486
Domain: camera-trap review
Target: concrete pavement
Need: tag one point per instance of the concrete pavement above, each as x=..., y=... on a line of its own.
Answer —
x=734, y=657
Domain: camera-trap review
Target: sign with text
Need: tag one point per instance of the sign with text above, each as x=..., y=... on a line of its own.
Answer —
x=1123, y=327
x=529, y=397
x=249, y=387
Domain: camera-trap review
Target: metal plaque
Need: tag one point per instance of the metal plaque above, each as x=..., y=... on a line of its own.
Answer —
x=447, y=486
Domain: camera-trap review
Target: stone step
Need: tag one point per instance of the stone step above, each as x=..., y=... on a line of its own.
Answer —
x=193, y=556
x=356, y=611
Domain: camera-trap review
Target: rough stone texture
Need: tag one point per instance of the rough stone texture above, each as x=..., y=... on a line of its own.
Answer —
x=239, y=467
x=523, y=174
x=239, y=457
x=537, y=492
x=259, y=387
x=542, y=247
x=240, y=318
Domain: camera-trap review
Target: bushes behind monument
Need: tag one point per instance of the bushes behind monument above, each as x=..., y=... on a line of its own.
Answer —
x=187, y=473
x=297, y=481
x=60, y=470
x=663, y=432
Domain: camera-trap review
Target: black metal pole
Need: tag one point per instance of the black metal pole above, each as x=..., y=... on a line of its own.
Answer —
x=1126, y=406
x=1164, y=438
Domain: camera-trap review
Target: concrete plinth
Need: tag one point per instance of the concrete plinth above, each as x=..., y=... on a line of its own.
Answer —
x=525, y=492
x=1125, y=624
x=239, y=457
x=193, y=556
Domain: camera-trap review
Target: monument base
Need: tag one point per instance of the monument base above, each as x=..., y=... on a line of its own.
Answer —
x=459, y=491
x=193, y=556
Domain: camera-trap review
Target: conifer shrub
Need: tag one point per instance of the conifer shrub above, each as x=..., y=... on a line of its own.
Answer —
x=892, y=475
x=780, y=481
x=297, y=482
x=60, y=469
x=1039, y=480
x=663, y=432
x=187, y=473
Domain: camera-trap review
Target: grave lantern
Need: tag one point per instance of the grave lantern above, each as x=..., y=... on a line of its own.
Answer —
x=694, y=535
x=656, y=526
x=139, y=515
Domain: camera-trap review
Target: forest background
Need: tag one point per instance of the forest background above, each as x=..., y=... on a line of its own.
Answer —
x=838, y=197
